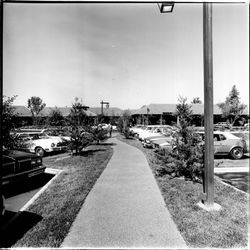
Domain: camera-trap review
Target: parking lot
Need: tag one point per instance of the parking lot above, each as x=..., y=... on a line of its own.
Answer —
x=17, y=196
x=233, y=172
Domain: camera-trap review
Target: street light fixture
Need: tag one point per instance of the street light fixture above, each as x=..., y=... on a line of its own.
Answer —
x=166, y=7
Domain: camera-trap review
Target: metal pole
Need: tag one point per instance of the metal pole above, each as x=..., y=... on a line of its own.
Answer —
x=208, y=99
x=1, y=92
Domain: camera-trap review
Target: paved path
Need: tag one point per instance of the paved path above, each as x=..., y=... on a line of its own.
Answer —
x=125, y=208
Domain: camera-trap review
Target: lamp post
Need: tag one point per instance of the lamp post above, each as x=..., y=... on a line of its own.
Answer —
x=1, y=96
x=208, y=180
x=208, y=201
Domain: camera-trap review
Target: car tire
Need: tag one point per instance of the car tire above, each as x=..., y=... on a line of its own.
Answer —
x=237, y=153
x=39, y=151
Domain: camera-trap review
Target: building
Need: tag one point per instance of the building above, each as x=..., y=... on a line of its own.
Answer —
x=166, y=114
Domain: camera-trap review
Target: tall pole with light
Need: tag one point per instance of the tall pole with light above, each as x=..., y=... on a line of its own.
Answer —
x=1, y=96
x=208, y=180
x=208, y=110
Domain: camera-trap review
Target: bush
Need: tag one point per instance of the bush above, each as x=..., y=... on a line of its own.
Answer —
x=187, y=157
x=185, y=160
x=79, y=139
x=99, y=134
x=127, y=133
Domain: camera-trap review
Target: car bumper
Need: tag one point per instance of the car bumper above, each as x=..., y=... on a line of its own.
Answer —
x=23, y=175
x=56, y=149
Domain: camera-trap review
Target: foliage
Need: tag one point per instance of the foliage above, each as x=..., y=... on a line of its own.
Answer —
x=196, y=100
x=79, y=139
x=78, y=136
x=99, y=134
x=35, y=105
x=81, y=134
x=77, y=115
x=232, y=109
x=123, y=123
x=55, y=118
x=8, y=117
x=186, y=158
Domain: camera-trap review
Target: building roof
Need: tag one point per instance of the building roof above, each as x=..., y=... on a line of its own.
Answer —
x=158, y=109
x=153, y=109
x=21, y=111
x=65, y=111
x=111, y=111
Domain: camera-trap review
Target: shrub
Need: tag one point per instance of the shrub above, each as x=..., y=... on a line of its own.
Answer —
x=99, y=134
x=8, y=118
x=79, y=139
x=187, y=157
x=127, y=133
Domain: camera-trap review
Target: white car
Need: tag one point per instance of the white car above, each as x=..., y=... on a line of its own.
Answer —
x=157, y=141
x=40, y=144
x=136, y=129
x=225, y=143
x=152, y=130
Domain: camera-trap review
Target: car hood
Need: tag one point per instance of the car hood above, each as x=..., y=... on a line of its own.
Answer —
x=19, y=155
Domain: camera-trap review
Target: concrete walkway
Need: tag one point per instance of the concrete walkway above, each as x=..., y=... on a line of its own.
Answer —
x=125, y=208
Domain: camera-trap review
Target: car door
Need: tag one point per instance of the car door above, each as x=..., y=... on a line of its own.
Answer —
x=222, y=144
x=217, y=144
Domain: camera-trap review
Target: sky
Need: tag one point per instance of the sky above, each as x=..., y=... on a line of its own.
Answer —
x=129, y=55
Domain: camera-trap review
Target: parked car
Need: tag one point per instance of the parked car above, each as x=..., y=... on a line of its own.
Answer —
x=134, y=130
x=18, y=165
x=148, y=142
x=166, y=142
x=153, y=130
x=244, y=135
x=222, y=126
x=225, y=143
x=40, y=144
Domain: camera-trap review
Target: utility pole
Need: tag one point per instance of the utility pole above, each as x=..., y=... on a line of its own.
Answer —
x=1, y=96
x=208, y=112
x=107, y=106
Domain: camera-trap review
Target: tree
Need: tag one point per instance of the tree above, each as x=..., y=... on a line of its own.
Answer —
x=35, y=105
x=232, y=109
x=123, y=123
x=196, y=100
x=8, y=117
x=184, y=112
x=77, y=115
x=80, y=134
x=55, y=118
x=186, y=159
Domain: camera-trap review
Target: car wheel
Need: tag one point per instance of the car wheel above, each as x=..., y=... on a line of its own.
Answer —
x=236, y=153
x=39, y=151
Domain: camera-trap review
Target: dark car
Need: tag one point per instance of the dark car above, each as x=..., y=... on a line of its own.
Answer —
x=18, y=166
x=222, y=126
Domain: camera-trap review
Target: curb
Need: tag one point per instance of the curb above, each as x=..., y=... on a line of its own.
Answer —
x=48, y=171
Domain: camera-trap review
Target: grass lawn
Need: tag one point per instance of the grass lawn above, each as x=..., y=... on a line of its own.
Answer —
x=227, y=228
x=60, y=203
